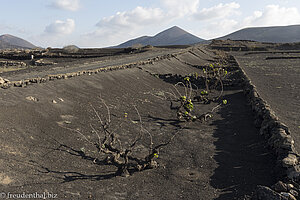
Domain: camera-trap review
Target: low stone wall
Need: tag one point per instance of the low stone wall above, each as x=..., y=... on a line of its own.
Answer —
x=41, y=62
x=12, y=64
x=279, y=141
x=23, y=83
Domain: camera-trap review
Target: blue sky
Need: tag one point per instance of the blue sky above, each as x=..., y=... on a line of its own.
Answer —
x=99, y=23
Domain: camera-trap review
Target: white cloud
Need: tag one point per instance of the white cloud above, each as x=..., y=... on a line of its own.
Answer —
x=11, y=28
x=104, y=37
x=218, y=20
x=222, y=24
x=72, y=5
x=137, y=17
x=56, y=34
x=180, y=8
x=128, y=24
x=216, y=12
x=274, y=15
x=60, y=27
x=218, y=28
x=215, y=21
x=123, y=25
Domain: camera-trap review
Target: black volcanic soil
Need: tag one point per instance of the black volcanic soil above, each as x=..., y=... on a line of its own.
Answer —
x=224, y=158
x=277, y=78
x=69, y=64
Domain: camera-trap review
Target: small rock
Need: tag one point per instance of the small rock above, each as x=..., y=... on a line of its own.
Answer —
x=31, y=98
x=289, y=161
x=290, y=187
x=265, y=193
x=288, y=196
x=43, y=80
x=61, y=99
x=5, y=85
x=280, y=187
x=294, y=193
x=1, y=81
x=53, y=101
x=18, y=83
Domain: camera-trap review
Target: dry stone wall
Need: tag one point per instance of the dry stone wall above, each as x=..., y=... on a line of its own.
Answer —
x=12, y=64
x=279, y=141
x=23, y=83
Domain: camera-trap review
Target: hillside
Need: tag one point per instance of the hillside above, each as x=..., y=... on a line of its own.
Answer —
x=171, y=36
x=10, y=42
x=275, y=34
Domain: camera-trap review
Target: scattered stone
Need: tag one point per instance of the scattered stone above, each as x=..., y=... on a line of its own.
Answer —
x=288, y=196
x=18, y=84
x=61, y=99
x=27, y=82
x=265, y=193
x=294, y=193
x=280, y=187
x=12, y=64
x=289, y=161
x=6, y=85
x=41, y=62
x=43, y=80
x=290, y=187
x=53, y=101
x=31, y=98
x=1, y=80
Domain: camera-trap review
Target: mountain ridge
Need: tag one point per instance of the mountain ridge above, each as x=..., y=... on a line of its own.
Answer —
x=274, y=34
x=178, y=36
x=171, y=36
x=8, y=41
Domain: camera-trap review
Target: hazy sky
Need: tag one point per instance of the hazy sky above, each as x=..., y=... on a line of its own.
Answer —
x=99, y=23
